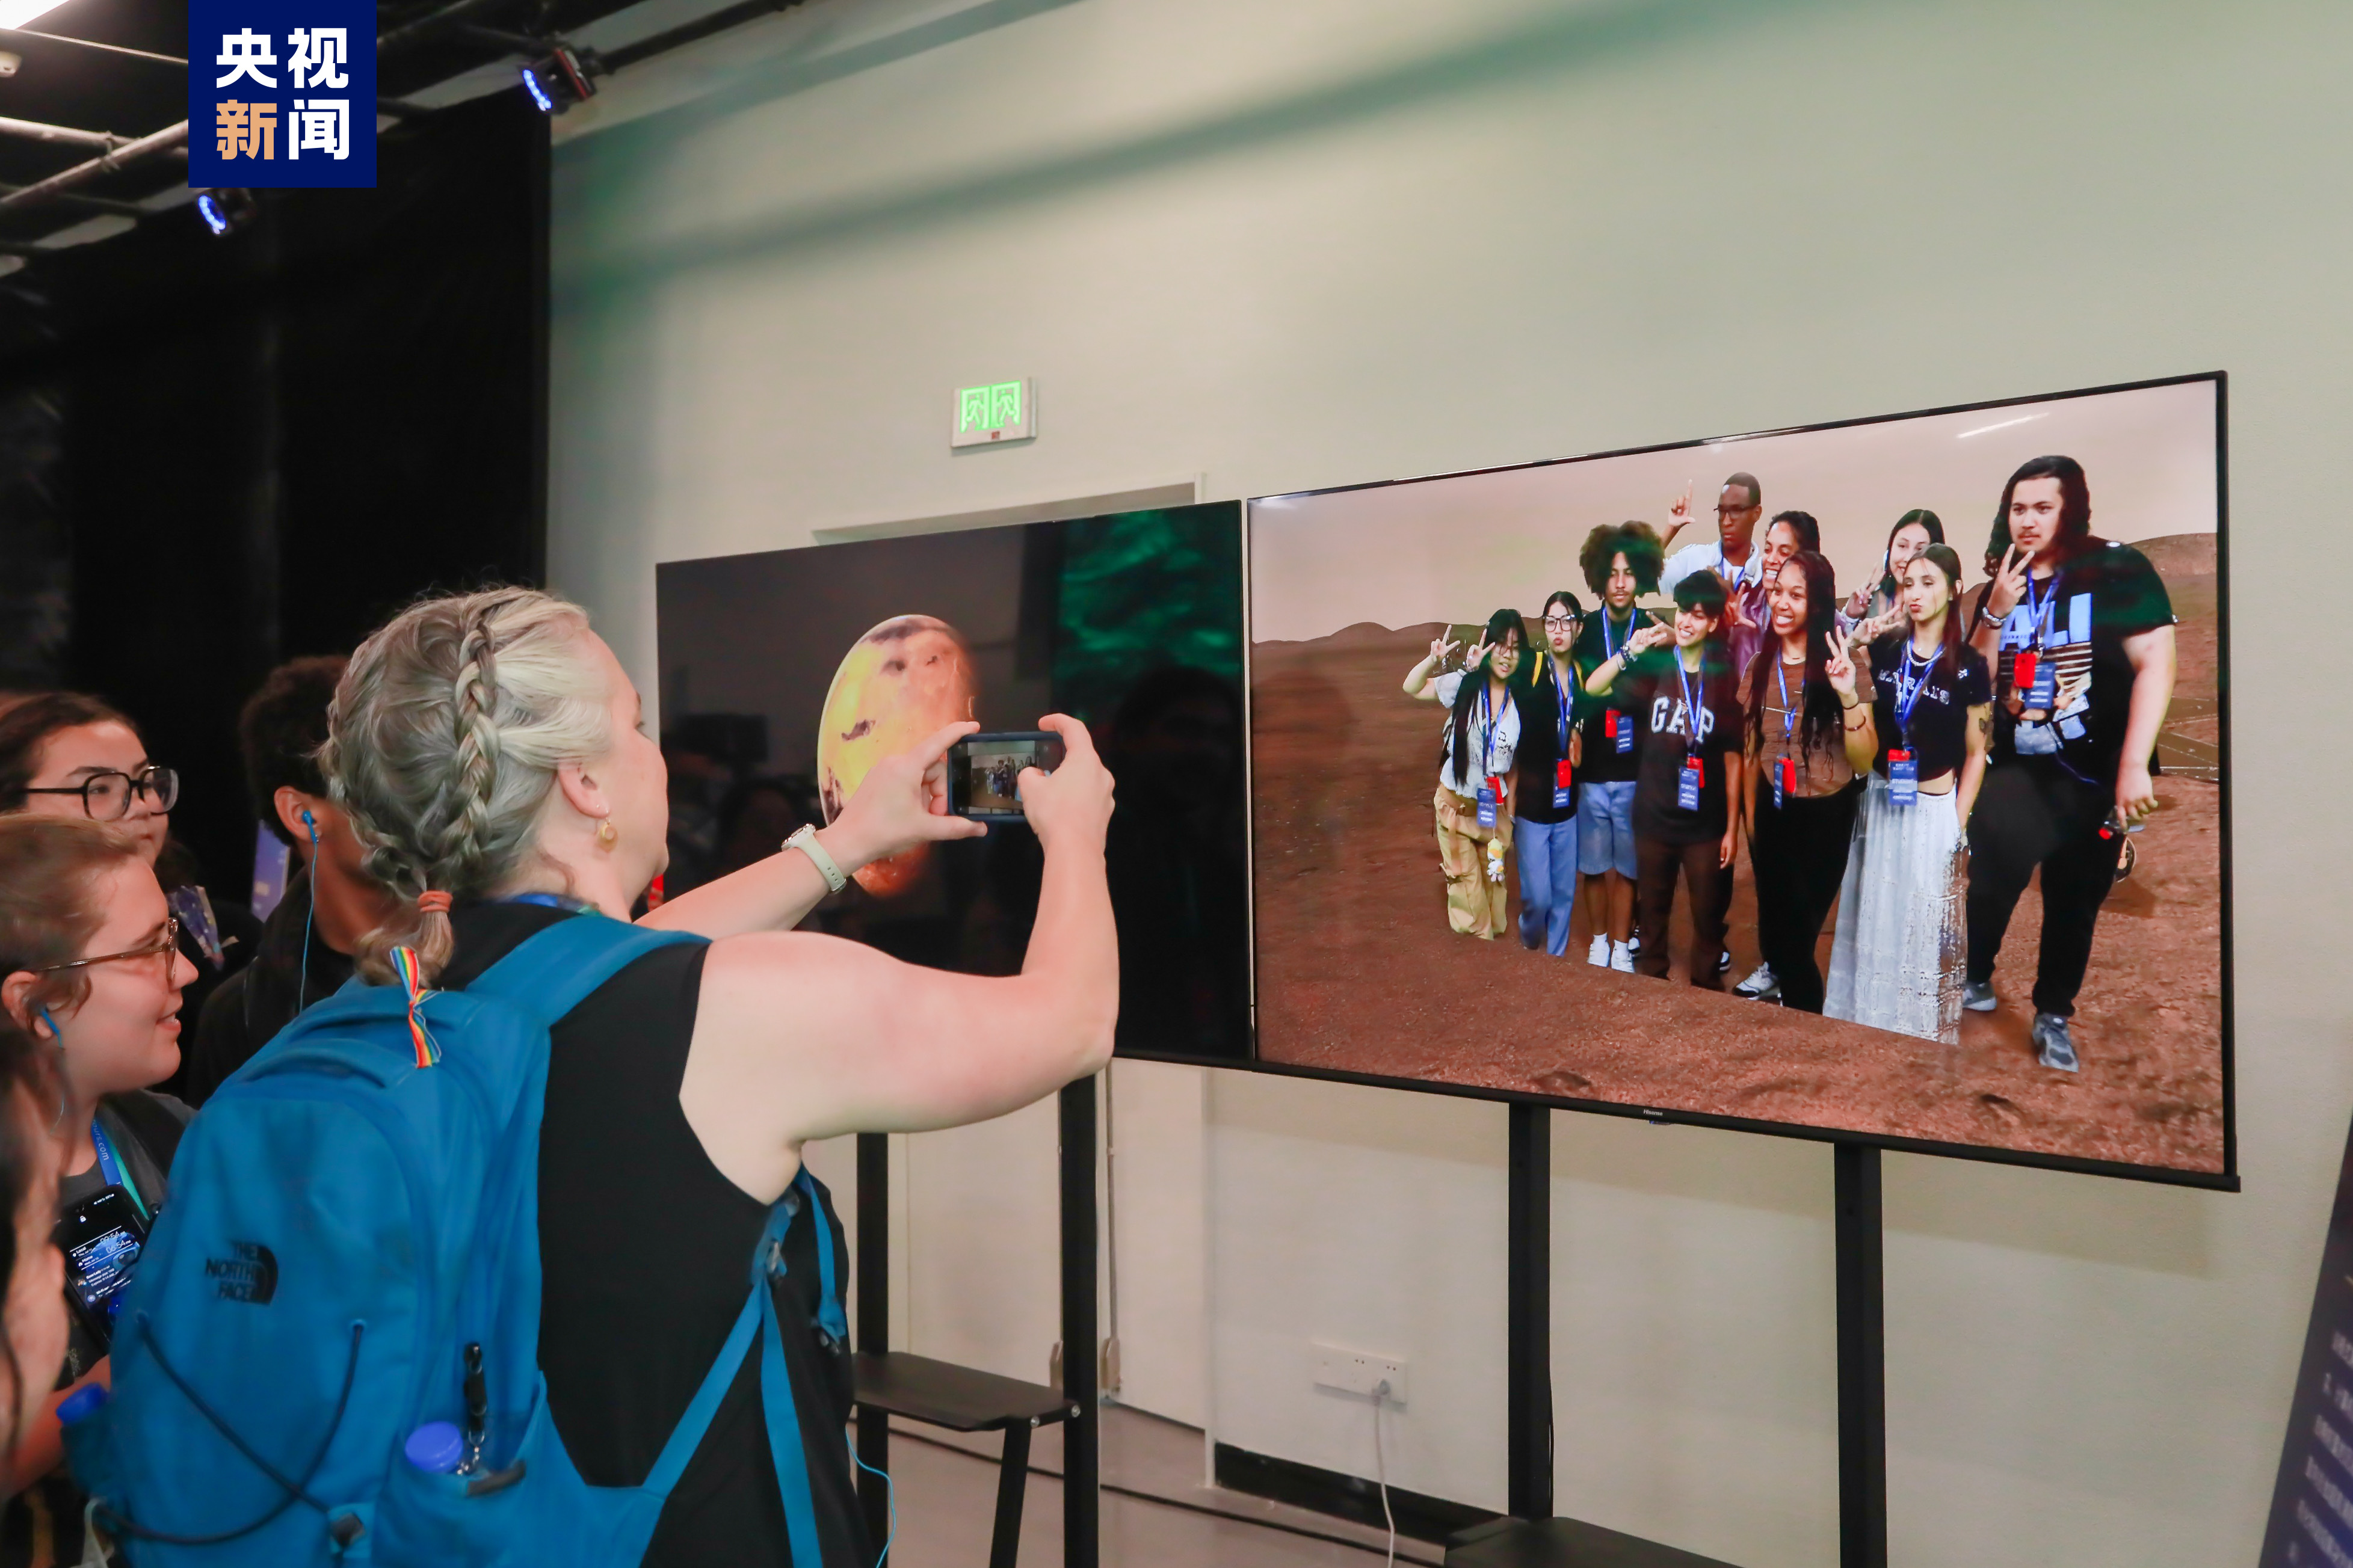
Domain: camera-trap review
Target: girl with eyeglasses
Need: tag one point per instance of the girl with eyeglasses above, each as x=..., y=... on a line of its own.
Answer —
x=1481, y=737
x=91, y=967
x=63, y=754
x=1544, y=814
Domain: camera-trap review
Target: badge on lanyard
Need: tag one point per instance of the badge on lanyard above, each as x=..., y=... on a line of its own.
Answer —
x=1903, y=762
x=1688, y=783
x=1694, y=776
x=1490, y=788
x=2040, y=679
x=1561, y=781
x=1902, y=777
x=2034, y=674
x=1618, y=726
x=1785, y=771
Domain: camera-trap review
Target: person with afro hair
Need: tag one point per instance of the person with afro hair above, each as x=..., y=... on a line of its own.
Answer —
x=1621, y=562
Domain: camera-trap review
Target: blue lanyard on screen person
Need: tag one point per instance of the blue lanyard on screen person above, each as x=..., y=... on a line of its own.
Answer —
x=2042, y=609
x=1908, y=687
x=1610, y=649
x=1692, y=691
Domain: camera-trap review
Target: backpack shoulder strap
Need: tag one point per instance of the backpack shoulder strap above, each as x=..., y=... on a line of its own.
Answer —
x=554, y=971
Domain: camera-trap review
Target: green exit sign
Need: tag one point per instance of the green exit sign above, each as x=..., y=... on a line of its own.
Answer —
x=999, y=412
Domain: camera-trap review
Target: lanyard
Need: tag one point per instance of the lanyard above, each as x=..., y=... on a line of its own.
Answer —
x=551, y=902
x=1608, y=649
x=1562, y=701
x=112, y=1169
x=1908, y=687
x=1690, y=705
x=1788, y=715
x=1486, y=731
x=2043, y=607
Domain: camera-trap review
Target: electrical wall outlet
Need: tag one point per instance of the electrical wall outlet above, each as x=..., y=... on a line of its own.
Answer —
x=1357, y=1372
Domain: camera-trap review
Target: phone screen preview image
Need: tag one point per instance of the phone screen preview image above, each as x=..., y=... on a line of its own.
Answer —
x=985, y=770
x=102, y=1237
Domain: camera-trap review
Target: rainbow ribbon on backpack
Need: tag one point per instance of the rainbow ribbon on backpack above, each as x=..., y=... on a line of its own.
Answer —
x=412, y=980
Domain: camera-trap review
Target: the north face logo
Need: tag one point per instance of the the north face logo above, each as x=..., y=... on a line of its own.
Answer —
x=249, y=1274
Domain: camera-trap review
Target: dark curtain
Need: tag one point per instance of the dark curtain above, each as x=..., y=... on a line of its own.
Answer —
x=218, y=454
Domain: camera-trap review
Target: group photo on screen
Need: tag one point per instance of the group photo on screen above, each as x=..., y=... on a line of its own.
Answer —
x=1866, y=777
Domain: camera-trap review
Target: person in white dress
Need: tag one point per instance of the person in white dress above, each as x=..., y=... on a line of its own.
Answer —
x=1898, y=959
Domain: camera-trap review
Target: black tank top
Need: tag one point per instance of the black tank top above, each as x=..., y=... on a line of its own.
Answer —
x=646, y=1252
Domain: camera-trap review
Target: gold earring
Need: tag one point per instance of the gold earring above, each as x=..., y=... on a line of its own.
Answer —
x=606, y=834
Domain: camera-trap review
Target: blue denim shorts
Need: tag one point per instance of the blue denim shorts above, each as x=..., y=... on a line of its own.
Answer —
x=1605, y=828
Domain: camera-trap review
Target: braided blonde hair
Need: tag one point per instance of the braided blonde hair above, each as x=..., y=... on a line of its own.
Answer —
x=443, y=742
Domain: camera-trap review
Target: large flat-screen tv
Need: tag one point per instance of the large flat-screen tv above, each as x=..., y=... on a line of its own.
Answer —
x=786, y=673
x=1986, y=945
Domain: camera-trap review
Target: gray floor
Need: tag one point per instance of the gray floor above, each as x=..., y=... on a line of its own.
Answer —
x=946, y=1490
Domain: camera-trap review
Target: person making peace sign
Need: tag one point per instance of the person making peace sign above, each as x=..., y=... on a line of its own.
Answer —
x=1687, y=802
x=2079, y=633
x=1473, y=800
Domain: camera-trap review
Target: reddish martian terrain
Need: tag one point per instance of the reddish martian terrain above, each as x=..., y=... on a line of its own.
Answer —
x=1358, y=971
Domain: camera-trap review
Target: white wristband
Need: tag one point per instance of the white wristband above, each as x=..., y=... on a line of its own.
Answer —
x=806, y=842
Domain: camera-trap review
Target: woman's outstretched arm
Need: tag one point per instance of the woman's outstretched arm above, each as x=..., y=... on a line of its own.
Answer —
x=901, y=802
x=799, y=1037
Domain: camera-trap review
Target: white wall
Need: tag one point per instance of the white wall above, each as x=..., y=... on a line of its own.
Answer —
x=1331, y=240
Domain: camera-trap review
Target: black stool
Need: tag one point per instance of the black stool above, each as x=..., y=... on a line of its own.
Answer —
x=964, y=1399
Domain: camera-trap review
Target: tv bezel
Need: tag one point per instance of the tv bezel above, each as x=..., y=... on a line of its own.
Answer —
x=2226, y=1180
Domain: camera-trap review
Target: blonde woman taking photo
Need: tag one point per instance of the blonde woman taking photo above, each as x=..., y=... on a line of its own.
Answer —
x=491, y=755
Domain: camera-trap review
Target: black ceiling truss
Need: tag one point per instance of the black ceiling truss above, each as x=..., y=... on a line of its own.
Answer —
x=92, y=113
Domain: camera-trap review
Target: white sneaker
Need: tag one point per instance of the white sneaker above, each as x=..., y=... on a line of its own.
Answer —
x=1598, y=954
x=1759, y=982
x=1622, y=958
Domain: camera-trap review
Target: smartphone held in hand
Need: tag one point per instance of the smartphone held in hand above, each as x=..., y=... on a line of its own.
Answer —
x=102, y=1237
x=984, y=772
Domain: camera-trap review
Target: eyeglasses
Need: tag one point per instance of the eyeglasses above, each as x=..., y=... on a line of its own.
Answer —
x=106, y=796
x=1552, y=621
x=164, y=943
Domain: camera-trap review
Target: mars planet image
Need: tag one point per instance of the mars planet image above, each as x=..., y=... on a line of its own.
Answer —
x=897, y=684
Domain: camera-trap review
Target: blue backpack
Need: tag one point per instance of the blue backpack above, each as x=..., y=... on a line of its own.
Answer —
x=352, y=1252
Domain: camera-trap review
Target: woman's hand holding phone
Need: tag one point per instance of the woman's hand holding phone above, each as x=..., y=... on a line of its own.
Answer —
x=902, y=802
x=1071, y=807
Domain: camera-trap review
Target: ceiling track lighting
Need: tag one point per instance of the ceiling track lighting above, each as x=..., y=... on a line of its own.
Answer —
x=561, y=78
x=223, y=211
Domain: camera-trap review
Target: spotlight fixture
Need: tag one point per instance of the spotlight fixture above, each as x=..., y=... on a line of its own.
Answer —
x=222, y=211
x=564, y=76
